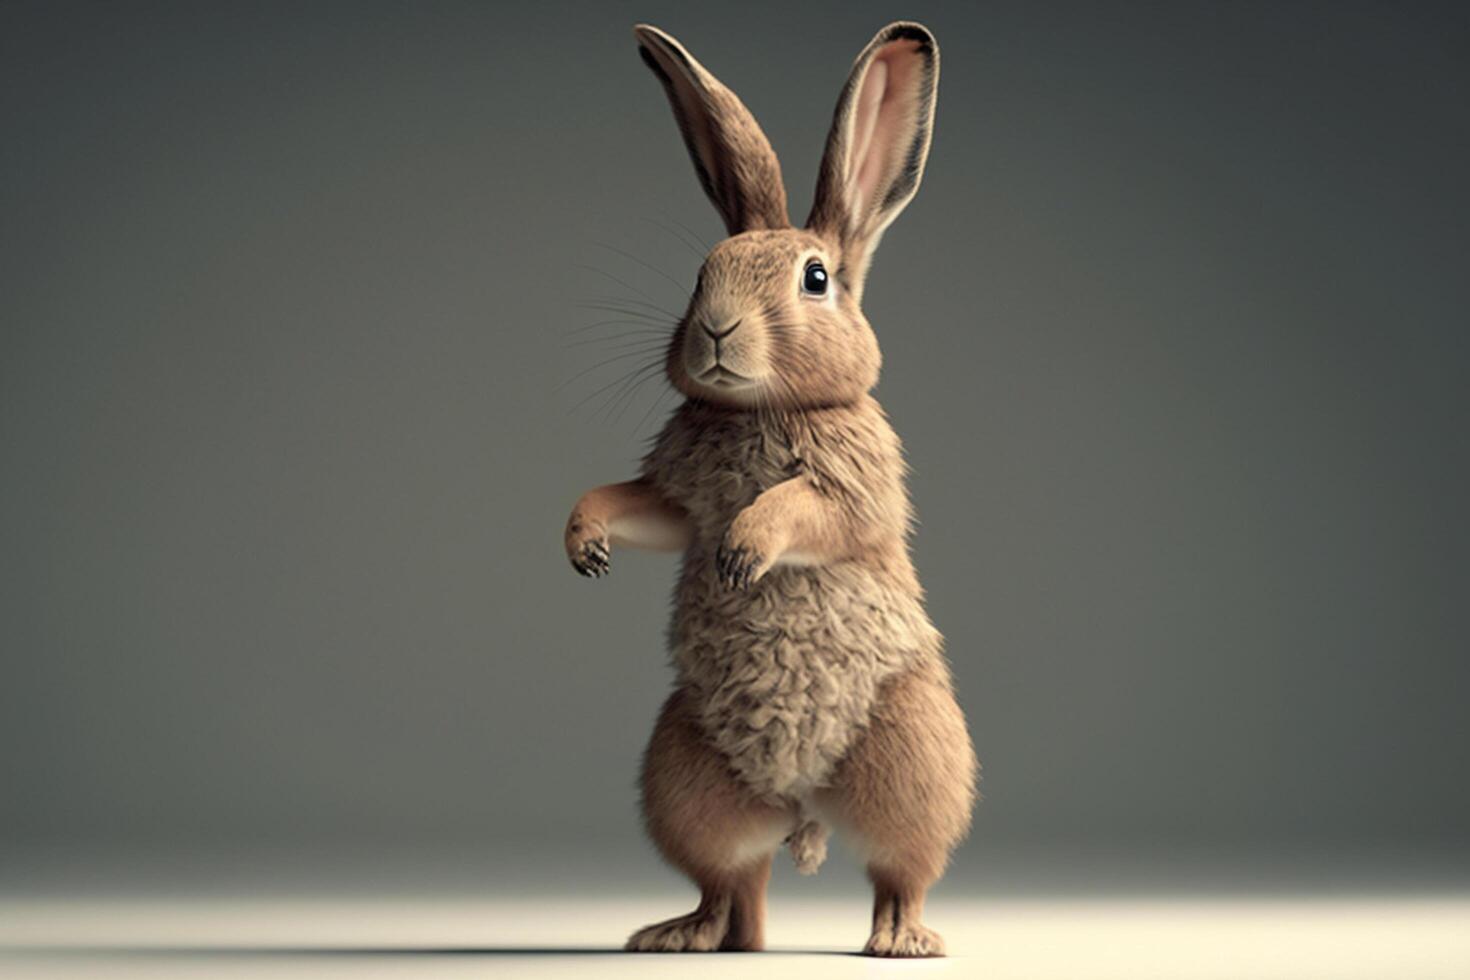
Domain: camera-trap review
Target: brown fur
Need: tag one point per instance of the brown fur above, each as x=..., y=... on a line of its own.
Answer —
x=812, y=688
x=905, y=791
x=732, y=157
x=786, y=667
x=708, y=825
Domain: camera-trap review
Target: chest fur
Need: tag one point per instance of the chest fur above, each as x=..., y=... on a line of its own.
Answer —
x=718, y=470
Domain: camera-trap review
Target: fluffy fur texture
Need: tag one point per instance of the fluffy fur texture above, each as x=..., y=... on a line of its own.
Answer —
x=785, y=672
x=811, y=687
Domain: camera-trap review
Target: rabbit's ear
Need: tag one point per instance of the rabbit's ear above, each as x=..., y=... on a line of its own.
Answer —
x=878, y=144
x=733, y=158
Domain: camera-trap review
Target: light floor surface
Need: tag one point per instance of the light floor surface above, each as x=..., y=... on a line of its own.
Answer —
x=1383, y=937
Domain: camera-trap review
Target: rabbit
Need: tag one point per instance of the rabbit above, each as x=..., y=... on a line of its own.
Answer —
x=812, y=690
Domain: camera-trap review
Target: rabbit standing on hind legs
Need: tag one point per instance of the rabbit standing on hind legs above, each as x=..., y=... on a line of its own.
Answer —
x=811, y=688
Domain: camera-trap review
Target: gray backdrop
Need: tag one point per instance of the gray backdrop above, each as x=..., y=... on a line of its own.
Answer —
x=1175, y=333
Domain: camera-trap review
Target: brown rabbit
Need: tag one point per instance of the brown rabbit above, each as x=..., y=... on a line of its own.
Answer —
x=812, y=689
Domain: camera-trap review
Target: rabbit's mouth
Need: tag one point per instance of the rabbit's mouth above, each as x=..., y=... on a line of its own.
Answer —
x=720, y=376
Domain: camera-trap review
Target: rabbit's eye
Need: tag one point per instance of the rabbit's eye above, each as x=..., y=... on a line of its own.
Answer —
x=814, y=279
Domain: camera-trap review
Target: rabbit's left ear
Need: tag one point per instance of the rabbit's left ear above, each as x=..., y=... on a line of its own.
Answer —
x=733, y=158
x=878, y=144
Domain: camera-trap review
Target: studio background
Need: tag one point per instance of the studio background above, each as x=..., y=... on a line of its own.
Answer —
x=292, y=414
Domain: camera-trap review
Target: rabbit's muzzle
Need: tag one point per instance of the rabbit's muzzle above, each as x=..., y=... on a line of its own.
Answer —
x=725, y=359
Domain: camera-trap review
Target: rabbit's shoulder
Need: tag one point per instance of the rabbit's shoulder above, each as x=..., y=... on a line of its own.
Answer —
x=852, y=455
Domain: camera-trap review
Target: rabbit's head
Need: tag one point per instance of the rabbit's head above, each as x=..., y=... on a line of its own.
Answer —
x=775, y=318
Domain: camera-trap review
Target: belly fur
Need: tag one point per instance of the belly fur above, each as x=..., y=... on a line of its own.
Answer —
x=785, y=675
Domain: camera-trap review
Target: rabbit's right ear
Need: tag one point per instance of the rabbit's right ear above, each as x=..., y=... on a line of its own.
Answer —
x=734, y=160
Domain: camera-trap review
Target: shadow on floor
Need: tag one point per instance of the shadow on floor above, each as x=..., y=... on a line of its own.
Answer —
x=201, y=951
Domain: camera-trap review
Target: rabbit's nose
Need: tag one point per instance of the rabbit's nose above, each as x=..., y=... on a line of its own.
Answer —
x=721, y=335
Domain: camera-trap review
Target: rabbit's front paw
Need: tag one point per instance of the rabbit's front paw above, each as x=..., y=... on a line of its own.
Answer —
x=742, y=558
x=587, y=547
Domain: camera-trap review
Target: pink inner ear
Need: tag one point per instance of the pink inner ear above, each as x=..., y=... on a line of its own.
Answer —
x=865, y=120
x=880, y=121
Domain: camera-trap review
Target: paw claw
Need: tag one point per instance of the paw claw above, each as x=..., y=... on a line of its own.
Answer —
x=736, y=567
x=592, y=559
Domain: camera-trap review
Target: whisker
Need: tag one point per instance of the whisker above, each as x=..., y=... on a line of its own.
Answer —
x=620, y=380
x=634, y=302
x=652, y=408
x=626, y=285
x=629, y=255
x=648, y=352
x=623, y=310
x=638, y=348
x=629, y=397
x=692, y=233
x=600, y=364
x=609, y=323
x=649, y=336
x=631, y=385
x=677, y=237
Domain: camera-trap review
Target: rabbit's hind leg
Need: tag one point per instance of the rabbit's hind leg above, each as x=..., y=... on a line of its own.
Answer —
x=905, y=791
x=707, y=824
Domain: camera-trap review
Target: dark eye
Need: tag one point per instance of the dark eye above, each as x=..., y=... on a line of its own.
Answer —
x=814, y=279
